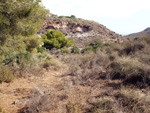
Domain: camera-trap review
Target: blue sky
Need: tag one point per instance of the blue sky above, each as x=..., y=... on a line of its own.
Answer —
x=121, y=16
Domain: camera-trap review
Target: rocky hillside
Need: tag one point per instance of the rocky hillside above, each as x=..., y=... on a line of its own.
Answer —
x=144, y=33
x=79, y=29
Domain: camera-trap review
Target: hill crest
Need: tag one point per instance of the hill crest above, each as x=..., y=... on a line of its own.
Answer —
x=79, y=29
x=144, y=33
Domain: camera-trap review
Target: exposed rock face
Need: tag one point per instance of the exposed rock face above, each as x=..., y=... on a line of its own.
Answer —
x=67, y=28
x=81, y=30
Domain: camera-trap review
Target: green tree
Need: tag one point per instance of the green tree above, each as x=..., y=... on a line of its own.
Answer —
x=19, y=19
x=56, y=39
x=72, y=16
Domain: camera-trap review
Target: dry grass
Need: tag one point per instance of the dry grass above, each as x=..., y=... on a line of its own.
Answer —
x=53, y=64
x=105, y=105
x=134, y=100
x=131, y=70
x=89, y=65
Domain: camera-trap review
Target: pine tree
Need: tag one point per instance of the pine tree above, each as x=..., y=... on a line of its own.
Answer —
x=19, y=19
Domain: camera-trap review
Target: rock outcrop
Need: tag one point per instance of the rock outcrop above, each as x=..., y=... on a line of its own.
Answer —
x=80, y=30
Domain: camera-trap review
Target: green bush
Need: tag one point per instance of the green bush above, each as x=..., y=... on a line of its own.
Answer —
x=64, y=50
x=91, y=48
x=136, y=38
x=75, y=50
x=6, y=74
x=56, y=39
x=18, y=58
x=22, y=62
x=41, y=49
x=72, y=16
x=88, y=48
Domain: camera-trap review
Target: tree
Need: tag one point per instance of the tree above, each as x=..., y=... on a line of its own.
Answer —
x=56, y=39
x=19, y=19
x=72, y=16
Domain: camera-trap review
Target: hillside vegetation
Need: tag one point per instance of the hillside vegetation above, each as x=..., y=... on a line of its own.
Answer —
x=53, y=73
x=134, y=36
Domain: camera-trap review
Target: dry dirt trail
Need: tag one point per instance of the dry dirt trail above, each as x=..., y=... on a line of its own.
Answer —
x=13, y=96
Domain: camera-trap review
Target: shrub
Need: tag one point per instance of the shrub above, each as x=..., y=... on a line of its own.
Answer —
x=88, y=48
x=74, y=107
x=72, y=16
x=96, y=41
x=22, y=62
x=18, y=58
x=41, y=49
x=132, y=47
x=52, y=64
x=32, y=43
x=64, y=50
x=109, y=43
x=44, y=57
x=6, y=74
x=104, y=105
x=89, y=65
x=131, y=70
x=133, y=100
x=56, y=39
x=136, y=38
x=147, y=39
x=75, y=50
x=91, y=48
x=38, y=102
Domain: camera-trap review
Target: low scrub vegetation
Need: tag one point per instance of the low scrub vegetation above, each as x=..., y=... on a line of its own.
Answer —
x=134, y=100
x=75, y=50
x=102, y=77
x=6, y=74
x=104, y=105
x=126, y=62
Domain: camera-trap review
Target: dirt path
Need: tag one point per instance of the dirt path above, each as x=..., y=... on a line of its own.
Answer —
x=11, y=93
x=15, y=95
